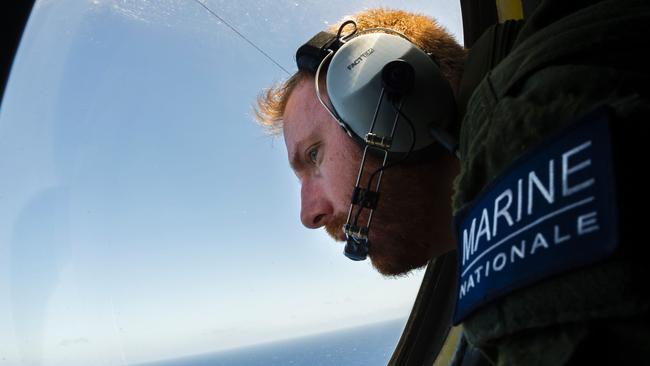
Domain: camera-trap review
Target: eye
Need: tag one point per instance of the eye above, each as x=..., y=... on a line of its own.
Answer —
x=312, y=155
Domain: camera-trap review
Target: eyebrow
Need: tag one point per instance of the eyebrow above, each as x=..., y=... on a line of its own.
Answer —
x=304, y=141
x=295, y=162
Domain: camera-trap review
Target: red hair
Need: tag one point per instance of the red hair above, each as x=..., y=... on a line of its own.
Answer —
x=420, y=29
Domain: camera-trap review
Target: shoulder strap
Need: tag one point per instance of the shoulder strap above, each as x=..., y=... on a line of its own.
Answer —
x=494, y=45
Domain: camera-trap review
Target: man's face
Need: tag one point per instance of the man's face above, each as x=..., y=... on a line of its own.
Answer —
x=412, y=222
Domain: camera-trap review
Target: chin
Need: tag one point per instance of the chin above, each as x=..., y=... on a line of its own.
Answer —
x=394, y=267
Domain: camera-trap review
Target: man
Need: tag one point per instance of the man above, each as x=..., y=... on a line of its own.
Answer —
x=568, y=59
x=406, y=233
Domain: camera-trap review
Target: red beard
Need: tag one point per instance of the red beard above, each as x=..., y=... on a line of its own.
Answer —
x=391, y=258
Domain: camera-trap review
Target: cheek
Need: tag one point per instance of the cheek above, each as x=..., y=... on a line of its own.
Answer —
x=340, y=173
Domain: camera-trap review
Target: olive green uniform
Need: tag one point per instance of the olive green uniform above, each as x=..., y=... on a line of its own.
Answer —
x=568, y=58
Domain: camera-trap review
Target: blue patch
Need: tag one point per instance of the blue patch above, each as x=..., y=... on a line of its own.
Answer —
x=552, y=211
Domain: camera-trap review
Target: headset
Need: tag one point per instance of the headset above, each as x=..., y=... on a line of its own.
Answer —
x=389, y=96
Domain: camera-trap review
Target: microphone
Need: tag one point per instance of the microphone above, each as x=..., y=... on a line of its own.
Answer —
x=356, y=249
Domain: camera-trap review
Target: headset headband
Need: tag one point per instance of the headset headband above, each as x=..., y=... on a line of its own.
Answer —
x=311, y=54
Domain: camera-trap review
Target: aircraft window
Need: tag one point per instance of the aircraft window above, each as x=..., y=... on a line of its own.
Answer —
x=144, y=216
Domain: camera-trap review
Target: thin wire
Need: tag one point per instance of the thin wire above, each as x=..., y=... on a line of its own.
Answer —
x=242, y=36
x=412, y=129
x=390, y=165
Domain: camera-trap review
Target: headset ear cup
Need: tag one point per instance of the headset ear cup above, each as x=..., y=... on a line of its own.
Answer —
x=370, y=64
x=398, y=78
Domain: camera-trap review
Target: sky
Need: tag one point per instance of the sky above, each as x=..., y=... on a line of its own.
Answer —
x=143, y=214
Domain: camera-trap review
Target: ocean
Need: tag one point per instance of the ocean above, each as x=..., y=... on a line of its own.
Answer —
x=363, y=346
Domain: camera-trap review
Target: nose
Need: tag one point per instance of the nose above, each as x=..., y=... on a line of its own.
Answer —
x=315, y=208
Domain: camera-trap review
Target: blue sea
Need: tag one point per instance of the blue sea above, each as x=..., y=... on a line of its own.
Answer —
x=364, y=346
